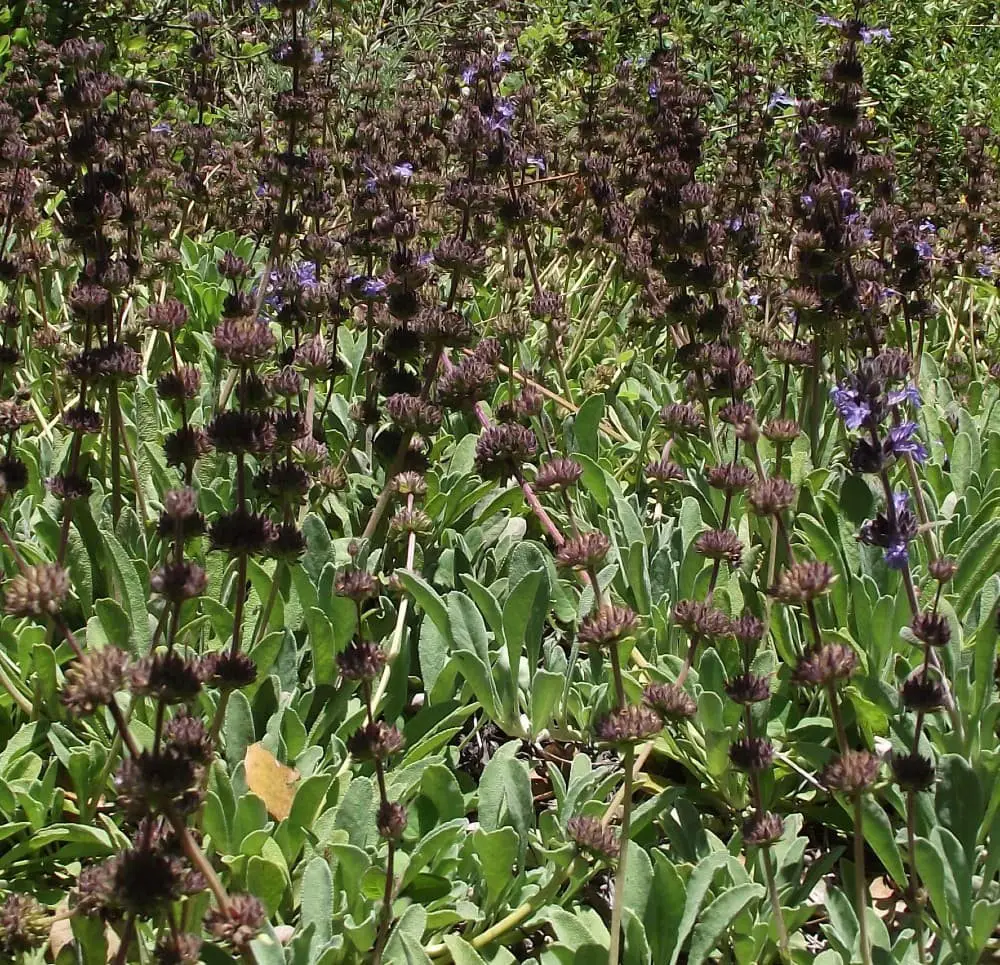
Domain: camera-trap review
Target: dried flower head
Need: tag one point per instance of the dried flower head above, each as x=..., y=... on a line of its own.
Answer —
x=584, y=551
x=93, y=680
x=502, y=450
x=244, y=342
x=751, y=754
x=37, y=592
x=391, y=820
x=730, y=477
x=701, y=619
x=853, y=772
x=179, y=581
x=168, y=676
x=663, y=472
x=182, y=948
x=931, y=628
x=238, y=923
x=762, y=830
x=227, y=670
x=361, y=660
x=410, y=484
x=782, y=430
x=748, y=629
x=23, y=925
x=912, y=772
x=771, y=497
x=157, y=783
x=805, y=581
x=593, y=838
x=681, y=418
x=356, y=585
x=407, y=521
x=557, y=474
x=825, y=664
x=748, y=688
x=942, y=569
x=922, y=693
x=376, y=741
x=628, y=725
x=608, y=625
x=670, y=701
x=720, y=544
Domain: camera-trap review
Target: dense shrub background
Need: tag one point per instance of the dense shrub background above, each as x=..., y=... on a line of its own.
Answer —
x=499, y=483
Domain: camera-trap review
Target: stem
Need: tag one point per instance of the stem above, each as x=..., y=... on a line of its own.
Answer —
x=860, y=885
x=22, y=702
x=265, y=614
x=838, y=720
x=509, y=922
x=911, y=848
x=772, y=891
x=628, y=764
x=614, y=951
x=241, y=579
x=543, y=517
x=116, y=455
x=385, y=919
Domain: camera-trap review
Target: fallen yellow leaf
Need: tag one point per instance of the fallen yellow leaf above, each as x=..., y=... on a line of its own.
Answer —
x=270, y=780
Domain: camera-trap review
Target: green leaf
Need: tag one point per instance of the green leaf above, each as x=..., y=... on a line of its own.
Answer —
x=985, y=915
x=698, y=885
x=499, y=855
x=524, y=614
x=546, y=689
x=266, y=880
x=127, y=580
x=115, y=623
x=323, y=646
x=432, y=648
x=467, y=627
x=879, y=835
x=930, y=865
x=638, y=576
x=961, y=462
x=428, y=599
x=317, y=898
x=717, y=918
x=237, y=728
x=587, y=424
x=488, y=605
x=462, y=952
x=267, y=949
x=959, y=800
x=984, y=661
x=356, y=814
x=505, y=794
x=594, y=479
x=665, y=907
x=978, y=560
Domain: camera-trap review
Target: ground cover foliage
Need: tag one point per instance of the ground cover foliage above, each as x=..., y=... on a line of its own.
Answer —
x=499, y=483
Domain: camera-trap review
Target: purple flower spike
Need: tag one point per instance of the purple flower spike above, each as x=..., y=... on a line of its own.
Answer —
x=781, y=99
x=871, y=34
x=909, y=393
x=852, y=411
x=903, y=441
x=897, y=555
x=372, y=287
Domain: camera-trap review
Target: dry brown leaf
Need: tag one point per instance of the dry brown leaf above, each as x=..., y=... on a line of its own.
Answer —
x=270, y=780
x=61, y=933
